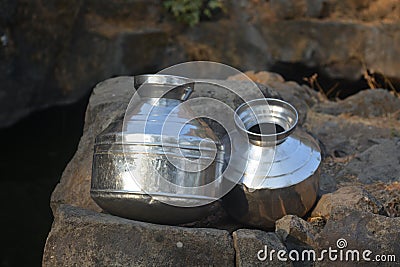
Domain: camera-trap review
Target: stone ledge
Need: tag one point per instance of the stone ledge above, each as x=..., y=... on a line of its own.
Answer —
x=81, y=237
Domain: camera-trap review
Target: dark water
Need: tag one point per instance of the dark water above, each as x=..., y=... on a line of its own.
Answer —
x=266, y=128
x=34, y=153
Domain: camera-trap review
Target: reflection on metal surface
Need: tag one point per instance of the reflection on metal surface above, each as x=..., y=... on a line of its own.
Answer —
x=280, y=163
x=162, y=164
x=161, y=153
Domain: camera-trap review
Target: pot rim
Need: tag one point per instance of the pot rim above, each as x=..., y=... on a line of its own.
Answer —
x=259, y=138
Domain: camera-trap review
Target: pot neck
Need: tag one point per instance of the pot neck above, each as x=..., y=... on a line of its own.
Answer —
x=266, y=122
x=164, y=86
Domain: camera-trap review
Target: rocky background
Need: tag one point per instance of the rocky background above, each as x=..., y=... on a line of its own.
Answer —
x=359, y=191
x=52, y=53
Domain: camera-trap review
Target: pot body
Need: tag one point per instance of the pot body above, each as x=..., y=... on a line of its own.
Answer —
x=279, y=173
x=154, y=166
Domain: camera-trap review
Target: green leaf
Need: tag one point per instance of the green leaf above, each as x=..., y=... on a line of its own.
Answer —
x=207, y=12
x=214, y=4
x=189, y=11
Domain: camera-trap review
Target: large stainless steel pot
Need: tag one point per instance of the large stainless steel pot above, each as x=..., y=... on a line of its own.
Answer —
x=278, y=163
x=144, y=167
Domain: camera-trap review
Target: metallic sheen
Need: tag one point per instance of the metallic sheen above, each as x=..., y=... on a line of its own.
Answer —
x=280, y=170
x=140, y=165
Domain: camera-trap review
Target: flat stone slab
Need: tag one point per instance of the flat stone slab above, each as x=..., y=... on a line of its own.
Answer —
x=81, y=237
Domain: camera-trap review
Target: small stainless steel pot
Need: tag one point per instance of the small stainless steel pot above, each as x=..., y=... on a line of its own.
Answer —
x=278, y=164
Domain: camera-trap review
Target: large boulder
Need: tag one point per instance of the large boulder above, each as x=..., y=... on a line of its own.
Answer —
x=355, y=207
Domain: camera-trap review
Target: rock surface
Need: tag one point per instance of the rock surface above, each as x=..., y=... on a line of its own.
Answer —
x=295, y=227
x=360, y=206
x=53, y=53
x=108, y=102
x=85, y=238
x=345, y=199
x=388, y=195
x=362, y=231
x=248, y=244
x=372, y=165
x=354, y=215
x=365, y=104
